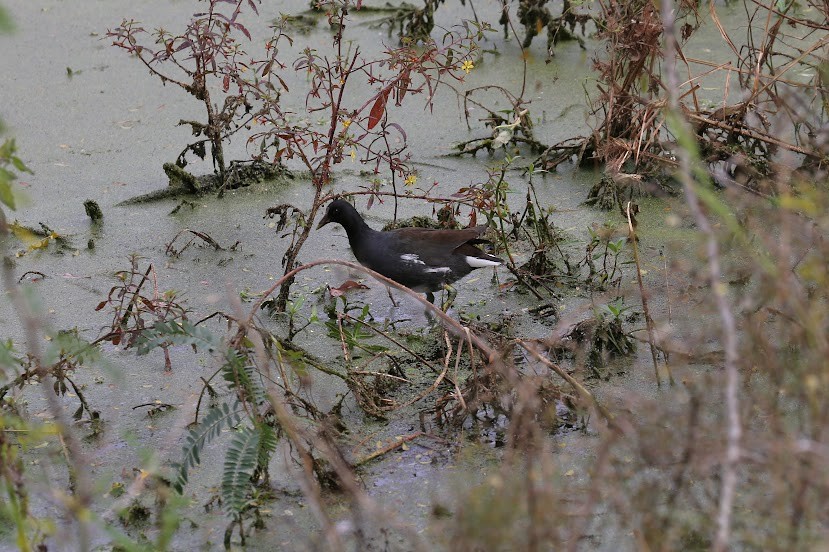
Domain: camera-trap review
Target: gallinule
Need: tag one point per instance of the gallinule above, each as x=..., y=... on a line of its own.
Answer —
x=422, y=259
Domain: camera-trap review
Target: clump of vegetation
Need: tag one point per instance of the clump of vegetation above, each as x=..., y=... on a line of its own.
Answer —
x=205, y=61
x=135, y=310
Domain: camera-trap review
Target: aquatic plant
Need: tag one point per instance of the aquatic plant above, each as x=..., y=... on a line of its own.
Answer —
x=135, y=310
x=205, y=60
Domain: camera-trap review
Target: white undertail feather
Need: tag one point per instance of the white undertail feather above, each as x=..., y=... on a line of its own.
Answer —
x=411, y=258
x=477, y=262
x=439, y=269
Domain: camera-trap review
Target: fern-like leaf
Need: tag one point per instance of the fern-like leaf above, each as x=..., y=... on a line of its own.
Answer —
x=240, y=461
x=199, y=436
x=244, y=378
x=267, y=445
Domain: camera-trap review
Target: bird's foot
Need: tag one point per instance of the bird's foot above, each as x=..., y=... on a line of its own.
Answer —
x=393, y=302
x=448, y=298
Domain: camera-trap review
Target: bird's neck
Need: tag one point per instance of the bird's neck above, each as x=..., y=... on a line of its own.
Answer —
x=358, y=236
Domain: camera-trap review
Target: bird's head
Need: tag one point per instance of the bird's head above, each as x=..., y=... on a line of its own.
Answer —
x=339, y=211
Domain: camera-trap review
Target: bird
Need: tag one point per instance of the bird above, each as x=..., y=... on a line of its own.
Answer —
x=422, y=259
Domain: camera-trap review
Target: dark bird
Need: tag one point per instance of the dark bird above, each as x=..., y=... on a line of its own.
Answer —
x=422, y=259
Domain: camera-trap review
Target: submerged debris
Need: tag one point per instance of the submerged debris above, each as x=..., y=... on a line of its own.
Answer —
x=93, y=210
x=238, y=175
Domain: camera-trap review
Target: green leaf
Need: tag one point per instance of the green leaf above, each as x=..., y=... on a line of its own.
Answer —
x=244, y=377
x=267, y=444
x=198, y=437
x=6, y=195
x=67, y=345
x=7, y=356
x=6, y=25
x=240, y=461
x=19, y=165
x=7, y=150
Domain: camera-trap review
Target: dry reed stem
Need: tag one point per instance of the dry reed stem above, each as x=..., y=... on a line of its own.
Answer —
x=438, y=380
x=643, y=295
x=308, y=483
x=734, y=431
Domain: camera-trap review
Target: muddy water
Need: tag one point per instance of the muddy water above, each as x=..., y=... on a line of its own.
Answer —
x=93, y=124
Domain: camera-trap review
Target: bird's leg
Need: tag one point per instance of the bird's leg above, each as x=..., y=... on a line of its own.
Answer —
x=393, y=302
x=428, y=312
x=451, y=293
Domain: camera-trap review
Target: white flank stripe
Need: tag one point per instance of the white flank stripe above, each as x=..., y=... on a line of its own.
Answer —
x=411, y=258
x=439, y=269
x=477, y=262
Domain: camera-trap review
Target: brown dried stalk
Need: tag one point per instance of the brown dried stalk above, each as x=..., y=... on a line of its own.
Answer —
x=732, y=455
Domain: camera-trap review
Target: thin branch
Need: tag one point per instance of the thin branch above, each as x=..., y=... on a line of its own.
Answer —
x=732, y=453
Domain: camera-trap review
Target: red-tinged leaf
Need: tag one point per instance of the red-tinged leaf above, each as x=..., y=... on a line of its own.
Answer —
x=402, y=86
x=473, y=218
x=282, y=83
x=267, y=68
x=226, y=83
x=370, y=202
x=243, y=29
x=315, y=144
x=400, y=130
x=116, y=339
x=346, y=286
x=378, y=109
x=253, y=7
x=183, y=45
x=101, y=305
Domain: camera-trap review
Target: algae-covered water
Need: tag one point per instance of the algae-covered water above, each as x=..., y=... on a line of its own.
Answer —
x=93, y=124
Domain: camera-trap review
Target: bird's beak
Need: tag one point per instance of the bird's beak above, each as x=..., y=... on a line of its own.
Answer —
x=325, y=220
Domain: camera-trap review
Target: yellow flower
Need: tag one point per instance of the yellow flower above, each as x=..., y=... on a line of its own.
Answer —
x=353, y=154
x=410, y=180
x=467, y=66
x=346, y=123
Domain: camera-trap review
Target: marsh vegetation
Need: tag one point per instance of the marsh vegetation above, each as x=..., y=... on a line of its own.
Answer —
x=646, y=371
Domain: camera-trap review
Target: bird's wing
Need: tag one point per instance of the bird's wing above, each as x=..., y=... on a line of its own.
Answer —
x=428, y=239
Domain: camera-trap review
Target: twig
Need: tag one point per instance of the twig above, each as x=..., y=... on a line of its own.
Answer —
x=648, y=319
x=438, y=380
x=388, y=448
x=749, y=133
x=397, y=342
x=732, y=454
x=580, y=389
x=458, y=391
x=489, y=353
